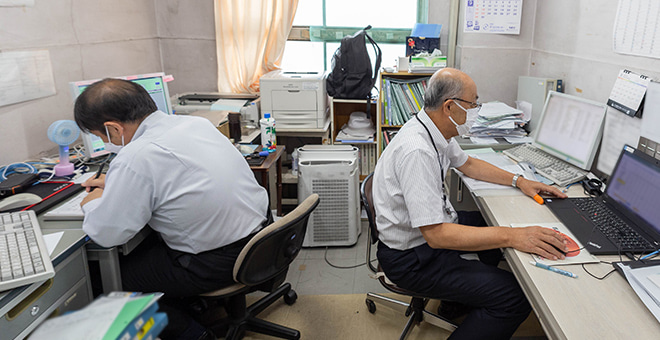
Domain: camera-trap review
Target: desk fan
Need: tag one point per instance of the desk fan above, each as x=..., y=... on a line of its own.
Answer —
x=63, y=133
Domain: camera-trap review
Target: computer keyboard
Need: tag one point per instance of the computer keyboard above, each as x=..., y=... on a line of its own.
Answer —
x=552, y=168
x=617, y=230
x=24, y=257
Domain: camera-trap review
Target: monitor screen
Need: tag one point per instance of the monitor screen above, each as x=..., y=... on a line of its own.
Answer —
x=570, y=128
x=635, y=184
x=153, y=83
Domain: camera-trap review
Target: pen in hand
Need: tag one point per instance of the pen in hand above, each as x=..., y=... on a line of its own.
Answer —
x=98, y=174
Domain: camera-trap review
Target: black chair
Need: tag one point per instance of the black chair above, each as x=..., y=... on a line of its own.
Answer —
x=262, y=265
x=415, y=309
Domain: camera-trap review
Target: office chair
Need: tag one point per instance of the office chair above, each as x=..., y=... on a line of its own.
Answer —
x=262, y=265
x=415, y=309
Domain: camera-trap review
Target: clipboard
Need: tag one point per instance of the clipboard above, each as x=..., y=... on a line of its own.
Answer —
x=629, y=92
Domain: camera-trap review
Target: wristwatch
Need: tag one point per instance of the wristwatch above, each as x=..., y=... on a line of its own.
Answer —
x=515, y=180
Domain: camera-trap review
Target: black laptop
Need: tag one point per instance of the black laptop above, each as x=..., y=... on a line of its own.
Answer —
x=625, y=219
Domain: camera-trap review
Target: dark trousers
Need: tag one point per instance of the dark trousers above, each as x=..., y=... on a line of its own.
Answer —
x=499, y=303
x=155, y=267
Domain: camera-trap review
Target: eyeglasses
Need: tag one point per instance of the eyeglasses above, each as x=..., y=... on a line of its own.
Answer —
x=474, y=104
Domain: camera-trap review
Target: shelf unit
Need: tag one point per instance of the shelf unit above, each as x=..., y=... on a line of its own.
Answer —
x=381, y=126
x=340, y=112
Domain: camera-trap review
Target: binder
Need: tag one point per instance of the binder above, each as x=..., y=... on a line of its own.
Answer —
x=152, y=327
x=628, y=93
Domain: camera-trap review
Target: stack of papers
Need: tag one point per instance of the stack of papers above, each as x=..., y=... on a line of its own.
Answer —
x=119, y=315
x=497, y=119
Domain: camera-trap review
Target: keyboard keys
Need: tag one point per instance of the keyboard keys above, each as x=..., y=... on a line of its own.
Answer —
x=554, y=169
x=24, y=258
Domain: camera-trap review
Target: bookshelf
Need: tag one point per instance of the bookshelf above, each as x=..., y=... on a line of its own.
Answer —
x=340, y=112
x=395, y=107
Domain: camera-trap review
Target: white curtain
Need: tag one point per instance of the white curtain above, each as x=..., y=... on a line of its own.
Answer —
x=250, y=38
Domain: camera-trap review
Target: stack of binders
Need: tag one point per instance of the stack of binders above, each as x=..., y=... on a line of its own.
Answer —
x=401, y=99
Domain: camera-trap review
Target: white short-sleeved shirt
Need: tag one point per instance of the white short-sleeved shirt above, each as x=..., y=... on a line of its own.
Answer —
x=181, y=176
x=407, y=184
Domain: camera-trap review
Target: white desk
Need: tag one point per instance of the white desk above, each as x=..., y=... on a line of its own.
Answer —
x=568, y=308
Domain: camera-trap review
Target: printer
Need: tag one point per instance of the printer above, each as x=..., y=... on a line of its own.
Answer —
x=297, y=100
x=244, y=103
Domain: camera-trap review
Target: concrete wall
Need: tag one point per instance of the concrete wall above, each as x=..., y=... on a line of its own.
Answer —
x=86, y=40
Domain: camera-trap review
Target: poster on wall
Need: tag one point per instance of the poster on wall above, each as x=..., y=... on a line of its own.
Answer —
x=637, y=28
x=493, y=16
x=26, y=75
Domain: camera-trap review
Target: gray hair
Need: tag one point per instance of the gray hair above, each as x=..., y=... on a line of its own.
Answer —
x=439, y=89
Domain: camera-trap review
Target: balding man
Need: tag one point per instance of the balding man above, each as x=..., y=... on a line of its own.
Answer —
x=423, y=239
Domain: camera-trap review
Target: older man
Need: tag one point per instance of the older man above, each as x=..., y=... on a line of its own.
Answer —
x=424, y=240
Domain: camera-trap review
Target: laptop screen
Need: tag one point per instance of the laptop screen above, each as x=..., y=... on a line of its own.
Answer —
x=570, y=128
x=635, y=184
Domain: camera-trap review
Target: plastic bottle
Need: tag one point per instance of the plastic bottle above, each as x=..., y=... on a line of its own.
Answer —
x=294, y=162
x=268, y=139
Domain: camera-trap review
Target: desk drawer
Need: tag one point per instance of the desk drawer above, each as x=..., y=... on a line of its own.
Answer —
x=68, y=288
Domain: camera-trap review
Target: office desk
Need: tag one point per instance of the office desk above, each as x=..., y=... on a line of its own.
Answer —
x=273, y=159
x=568, y=308
x=108, y=258
x=24, y=308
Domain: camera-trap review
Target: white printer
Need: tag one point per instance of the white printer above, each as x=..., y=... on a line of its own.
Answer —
x=297, y=100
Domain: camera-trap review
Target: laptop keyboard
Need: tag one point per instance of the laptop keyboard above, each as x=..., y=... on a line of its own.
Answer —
x=616, y=230
x=24, y=257
x=554, y=169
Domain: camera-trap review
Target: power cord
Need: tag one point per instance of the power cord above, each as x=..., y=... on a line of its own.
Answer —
x=325, y=257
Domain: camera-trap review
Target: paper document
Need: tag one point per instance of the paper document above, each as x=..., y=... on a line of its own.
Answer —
x=231, y=105
x=52, y=240
x=641, y=282
x=26, y=75
x=576, y=253
x=69, y=210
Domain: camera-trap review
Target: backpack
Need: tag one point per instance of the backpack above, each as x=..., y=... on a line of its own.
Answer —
x=351, y=76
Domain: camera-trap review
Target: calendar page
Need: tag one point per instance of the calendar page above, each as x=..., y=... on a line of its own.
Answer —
x=628, y=92
x=493, y=16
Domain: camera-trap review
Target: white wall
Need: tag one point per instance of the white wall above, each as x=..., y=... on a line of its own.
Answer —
x=573, y=40
x=86, y=40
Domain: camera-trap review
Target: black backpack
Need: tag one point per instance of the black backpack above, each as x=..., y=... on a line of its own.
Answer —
x=351, y=76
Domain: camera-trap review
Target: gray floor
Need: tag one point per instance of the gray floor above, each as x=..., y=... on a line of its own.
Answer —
x=310, y=274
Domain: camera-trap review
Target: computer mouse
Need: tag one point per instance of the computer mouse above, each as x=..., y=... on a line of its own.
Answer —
x=572, y=248
x=19, y=200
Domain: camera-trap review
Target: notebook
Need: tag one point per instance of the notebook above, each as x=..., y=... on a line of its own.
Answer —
x=631, y=196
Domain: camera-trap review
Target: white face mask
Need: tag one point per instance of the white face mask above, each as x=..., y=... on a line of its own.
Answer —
x=471, y=117
x=113, y=147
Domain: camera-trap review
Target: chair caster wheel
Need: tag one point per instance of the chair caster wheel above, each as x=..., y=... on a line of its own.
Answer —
x=290, y=297
x=371, y=305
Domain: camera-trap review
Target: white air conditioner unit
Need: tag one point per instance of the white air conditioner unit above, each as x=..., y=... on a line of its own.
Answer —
x=331, y=171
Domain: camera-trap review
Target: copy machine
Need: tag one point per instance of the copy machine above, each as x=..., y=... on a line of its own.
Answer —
x=297, y=100
x=188, y=103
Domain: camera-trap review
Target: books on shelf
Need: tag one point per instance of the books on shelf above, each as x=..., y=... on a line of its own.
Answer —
x=367, y=158
x=401, y=98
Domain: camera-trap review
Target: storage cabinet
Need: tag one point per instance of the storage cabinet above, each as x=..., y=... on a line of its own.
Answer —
x=409, y=97
x=340, y=112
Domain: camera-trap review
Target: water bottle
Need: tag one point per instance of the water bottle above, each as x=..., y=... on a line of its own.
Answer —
x=268, y=140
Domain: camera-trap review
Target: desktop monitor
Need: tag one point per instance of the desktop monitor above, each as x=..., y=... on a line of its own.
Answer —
x=570, y=128
x=153, y=83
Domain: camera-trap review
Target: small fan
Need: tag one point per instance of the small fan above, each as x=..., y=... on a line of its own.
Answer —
x=63, y=133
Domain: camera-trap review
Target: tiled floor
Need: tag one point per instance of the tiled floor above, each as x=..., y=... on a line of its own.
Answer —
x=309, y=274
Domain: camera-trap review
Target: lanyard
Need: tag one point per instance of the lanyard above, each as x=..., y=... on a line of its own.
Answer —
x=442, y=171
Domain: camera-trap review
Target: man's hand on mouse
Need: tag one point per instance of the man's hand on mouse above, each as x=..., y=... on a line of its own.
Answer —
x=540, y=241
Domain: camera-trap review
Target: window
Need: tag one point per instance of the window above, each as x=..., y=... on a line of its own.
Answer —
x=319, y=26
